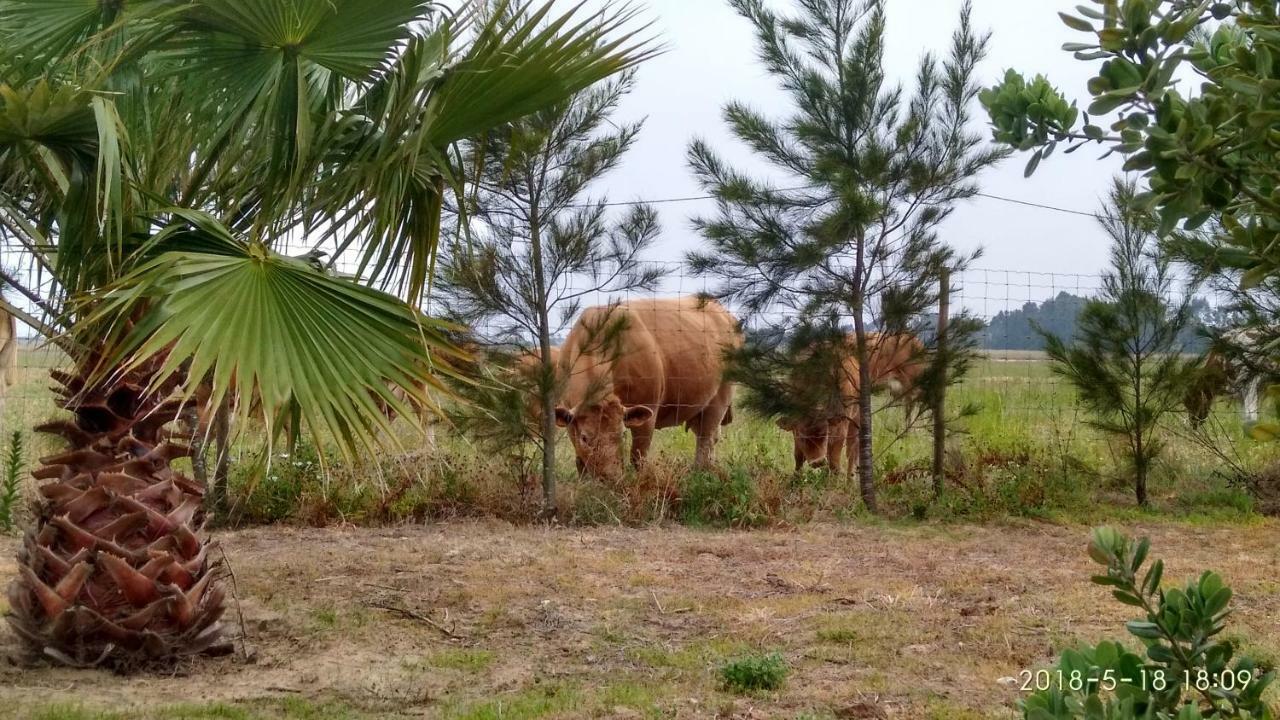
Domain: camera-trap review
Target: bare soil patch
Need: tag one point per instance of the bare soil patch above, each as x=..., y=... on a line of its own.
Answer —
x=474, y=620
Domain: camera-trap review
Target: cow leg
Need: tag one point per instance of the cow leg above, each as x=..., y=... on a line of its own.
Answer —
x=708, y=425
x=852, y=445
x=708, y=429
x=799, y=449
x=641, y=439
x=836, y=430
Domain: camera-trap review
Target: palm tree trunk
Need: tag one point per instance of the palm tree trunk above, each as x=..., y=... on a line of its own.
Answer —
x=113, y=572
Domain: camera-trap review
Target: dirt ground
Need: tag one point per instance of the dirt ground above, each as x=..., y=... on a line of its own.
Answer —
x=494, y=621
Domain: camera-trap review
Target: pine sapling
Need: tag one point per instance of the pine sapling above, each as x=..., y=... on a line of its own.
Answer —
x=11, y=482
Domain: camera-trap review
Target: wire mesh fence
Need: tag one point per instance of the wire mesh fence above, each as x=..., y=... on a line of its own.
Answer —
x=1011, y=305
x=1011, y=376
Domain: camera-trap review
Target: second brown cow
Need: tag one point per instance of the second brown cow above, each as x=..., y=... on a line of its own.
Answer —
x=830, y=437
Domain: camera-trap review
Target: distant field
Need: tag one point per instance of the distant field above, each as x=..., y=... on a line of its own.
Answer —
x=29, y=401
x=1014, y=355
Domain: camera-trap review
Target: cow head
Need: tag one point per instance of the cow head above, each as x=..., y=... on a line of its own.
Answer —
x=596, y=433
x=1213, y=379
x=810, y=438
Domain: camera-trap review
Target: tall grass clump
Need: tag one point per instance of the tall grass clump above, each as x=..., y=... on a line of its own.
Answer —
x=709, y=499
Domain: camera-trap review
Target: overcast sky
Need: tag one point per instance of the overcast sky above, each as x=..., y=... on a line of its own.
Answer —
x=712, y=59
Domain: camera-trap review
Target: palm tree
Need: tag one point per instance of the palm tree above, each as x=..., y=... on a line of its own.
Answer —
x=158, y=158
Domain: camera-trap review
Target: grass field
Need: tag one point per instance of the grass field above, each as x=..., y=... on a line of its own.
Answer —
x=1023, y=449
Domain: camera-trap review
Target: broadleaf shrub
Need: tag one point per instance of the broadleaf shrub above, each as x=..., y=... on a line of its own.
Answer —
x=1187, y=672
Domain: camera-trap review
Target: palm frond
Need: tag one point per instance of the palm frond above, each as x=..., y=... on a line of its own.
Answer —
x=278, y=70
x=523, y=61
x=273, y=332
x=517, y=62
x=38, y=29
x=157, y=155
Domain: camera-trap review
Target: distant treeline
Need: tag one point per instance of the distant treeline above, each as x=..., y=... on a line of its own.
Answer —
x=1016, y=329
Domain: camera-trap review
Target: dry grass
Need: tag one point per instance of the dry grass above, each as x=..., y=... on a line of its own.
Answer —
x=874, y=621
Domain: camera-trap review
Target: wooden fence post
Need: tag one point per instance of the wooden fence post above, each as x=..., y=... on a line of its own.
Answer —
x=939, y=408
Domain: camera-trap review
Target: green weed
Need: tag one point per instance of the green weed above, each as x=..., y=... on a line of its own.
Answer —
x=755, y=673
x=708, y=499
x=464, y=659
x=524, y=705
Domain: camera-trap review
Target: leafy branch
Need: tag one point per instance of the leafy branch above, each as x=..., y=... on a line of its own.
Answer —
x=1187, y=671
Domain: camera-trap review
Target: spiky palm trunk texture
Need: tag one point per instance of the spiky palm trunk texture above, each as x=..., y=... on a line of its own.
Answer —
x=114, y=571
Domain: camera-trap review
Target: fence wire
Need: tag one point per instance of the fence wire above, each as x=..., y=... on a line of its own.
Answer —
x=1011, y=373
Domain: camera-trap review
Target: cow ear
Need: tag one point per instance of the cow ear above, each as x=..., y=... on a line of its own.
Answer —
x=786, y=423
x=564, y=416
x=636, y=415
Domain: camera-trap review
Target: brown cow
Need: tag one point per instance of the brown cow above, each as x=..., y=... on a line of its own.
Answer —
x=1213, y=379
x=897, y=361
x=1241, y=363
x=644, y=365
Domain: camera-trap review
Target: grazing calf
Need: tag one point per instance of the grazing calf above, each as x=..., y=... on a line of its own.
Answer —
x=896, y=364
x=645, y=365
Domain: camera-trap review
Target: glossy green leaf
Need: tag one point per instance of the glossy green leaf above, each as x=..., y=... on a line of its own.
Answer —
x=1076, y=23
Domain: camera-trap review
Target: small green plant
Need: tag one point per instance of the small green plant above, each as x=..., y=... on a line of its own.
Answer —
x=465, y=659
x=708, y=499
x=838, y=635
x=11, y=482
x=264, y=493
x=755, y=673
x=1187, y=671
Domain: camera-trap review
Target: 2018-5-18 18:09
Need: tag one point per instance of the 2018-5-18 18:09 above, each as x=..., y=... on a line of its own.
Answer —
x=1157, y=680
